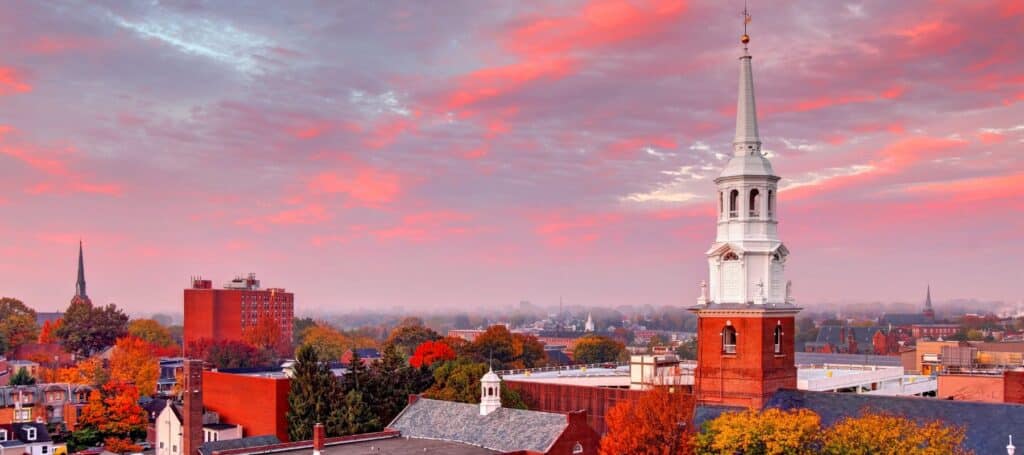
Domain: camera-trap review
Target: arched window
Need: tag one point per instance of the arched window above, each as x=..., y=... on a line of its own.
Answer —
x=778, y=339
x=721, y=204
x=755, y=202
x=729, y=340
x=771, y=203
x=734, y=200
x=730, y=256
x=578, y=448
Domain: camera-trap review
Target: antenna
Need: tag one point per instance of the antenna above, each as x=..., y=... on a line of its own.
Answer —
x=746, y=20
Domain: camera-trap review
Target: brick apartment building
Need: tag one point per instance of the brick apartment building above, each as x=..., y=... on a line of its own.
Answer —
x=229, y=313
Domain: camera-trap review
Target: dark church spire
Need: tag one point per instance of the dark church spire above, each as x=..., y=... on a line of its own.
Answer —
x=928, y=298
x=80, y=285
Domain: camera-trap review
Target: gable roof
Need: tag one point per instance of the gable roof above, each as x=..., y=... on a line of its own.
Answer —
x=16, y=431
x=834, y=335
x=504, y=430
x=242, y=443
x=904, y=319
x=986, y=425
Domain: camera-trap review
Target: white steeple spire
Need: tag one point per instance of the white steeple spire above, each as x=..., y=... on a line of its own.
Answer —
x=748, y=139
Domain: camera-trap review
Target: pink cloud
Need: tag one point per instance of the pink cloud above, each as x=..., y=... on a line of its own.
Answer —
x=366, y=186
x=11, y=81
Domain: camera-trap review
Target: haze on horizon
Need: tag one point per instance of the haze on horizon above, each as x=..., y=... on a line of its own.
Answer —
x=465, y=155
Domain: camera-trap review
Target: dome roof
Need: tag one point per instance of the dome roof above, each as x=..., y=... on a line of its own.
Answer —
x=490, y=377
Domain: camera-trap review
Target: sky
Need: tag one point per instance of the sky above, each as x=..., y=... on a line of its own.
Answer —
x=473, y=154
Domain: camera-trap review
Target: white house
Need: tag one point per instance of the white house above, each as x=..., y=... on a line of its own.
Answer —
x=168, y=428
x=28, y=438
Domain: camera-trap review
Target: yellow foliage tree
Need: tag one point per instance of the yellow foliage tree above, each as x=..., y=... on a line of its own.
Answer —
x=133, y=362
x=768, y=432
x=884, y=434
x=328, y=342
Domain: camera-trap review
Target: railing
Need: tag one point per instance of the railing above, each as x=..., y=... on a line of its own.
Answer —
x=562, y=368
x=733, y=214
x=729, y=348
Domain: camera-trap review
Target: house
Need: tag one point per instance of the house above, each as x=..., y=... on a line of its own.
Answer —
x=56, y=403
x=28, y=438
x=844, y=339
x=168, y=429
x=367, y=355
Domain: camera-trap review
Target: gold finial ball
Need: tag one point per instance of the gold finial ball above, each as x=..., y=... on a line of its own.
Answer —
x=745, y=38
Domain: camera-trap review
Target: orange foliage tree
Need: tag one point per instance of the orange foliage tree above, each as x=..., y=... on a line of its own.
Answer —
x=46, y=333
x=654, y=424
x=429, y=352
x=769, y=432
x=874, y=433
x=133, y=361
x=114, y=411
x=120, y=445
x=266, y=335
x=89, y=371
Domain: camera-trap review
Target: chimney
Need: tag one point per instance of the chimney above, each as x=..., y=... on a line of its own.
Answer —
x=319, y=438
x=192, y=426
x=413, y=398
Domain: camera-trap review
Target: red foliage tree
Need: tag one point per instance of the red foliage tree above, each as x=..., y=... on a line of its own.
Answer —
x=229, y=353
x=429, y=352
x=654, y=424
x=114, y=410
x=46, y=333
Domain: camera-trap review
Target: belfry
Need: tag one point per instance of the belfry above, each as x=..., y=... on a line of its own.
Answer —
x=745, y=313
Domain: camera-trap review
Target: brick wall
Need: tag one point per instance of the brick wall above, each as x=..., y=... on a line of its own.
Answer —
x=970, y=388
x=1013, y=387
x=257, y=404
x=564, y=398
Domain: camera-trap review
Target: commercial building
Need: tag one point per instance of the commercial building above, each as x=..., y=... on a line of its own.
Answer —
x=230, y=313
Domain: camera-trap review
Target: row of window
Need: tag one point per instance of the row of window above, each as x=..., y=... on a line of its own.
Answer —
x=729, y=337
x=753, y=206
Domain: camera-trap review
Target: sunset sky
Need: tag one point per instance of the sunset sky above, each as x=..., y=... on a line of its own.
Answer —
x=474, y=154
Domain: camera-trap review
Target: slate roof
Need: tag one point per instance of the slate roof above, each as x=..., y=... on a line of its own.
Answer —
x=833, y=335
x=16, y=432
x=987, y=425
x=243, y=443
x=504, y=430
x=904, y=319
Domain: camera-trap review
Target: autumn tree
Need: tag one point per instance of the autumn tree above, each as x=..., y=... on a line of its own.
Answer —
x=133, y=362
x=224, y=354
x=459, y=380
x=430, y=352
x=120, y=445
x=884, y=434
x=299, y=326
x=597, y=349
x=267, y=335
x=150, y=331
x=328, y=343
x=17, y=324
x=46, y=332
x=113, y=411
x=653, y=424
x=88, y=329
x=89, y=371
x=527, y=351
x=767, y=432
x=494, y=345
x=409, y=335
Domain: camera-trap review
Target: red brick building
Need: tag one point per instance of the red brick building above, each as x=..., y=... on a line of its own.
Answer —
x=565, y=398
x=229, y=313
x=257, y=403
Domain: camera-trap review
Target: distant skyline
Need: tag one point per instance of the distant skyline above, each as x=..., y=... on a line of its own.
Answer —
x=473, y=154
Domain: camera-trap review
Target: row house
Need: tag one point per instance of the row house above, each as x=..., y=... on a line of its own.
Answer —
x=43, y=403
x=28, y=439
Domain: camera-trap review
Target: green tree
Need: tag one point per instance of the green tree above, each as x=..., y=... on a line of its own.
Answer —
x=597, y=349
x=407, y=337
x=390, y=382
x=687, y=350
x=17, y=324
x=88, y=329
x=152, y=332
x=22, y=377
x=314, y=397
x=84, y=437
x=299, y=326
x=494, y=345
x=459, y=380
x=358, y=417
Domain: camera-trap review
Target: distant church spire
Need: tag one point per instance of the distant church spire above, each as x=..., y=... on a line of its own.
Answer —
x=928, y=298
x=80, y=285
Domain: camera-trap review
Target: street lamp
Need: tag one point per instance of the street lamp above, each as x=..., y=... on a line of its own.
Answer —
x=1010, y=448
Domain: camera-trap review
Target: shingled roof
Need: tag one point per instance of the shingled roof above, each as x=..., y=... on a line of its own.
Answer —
x=504, y=430
x=242, y=443
x=986, y=425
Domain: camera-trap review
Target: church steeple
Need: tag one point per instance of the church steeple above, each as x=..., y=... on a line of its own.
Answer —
x=80, y=285
x=928, y=298
x=748, y=138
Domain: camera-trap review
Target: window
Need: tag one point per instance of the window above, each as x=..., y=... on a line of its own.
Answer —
x=578, y=448
x=30, y=434
x=734, y=199
x=721, y=203
x=730, y=256
x=755, y=202
x=729, y=340
x=3, y=434
x=161, y=444
x=46, y=449
x=771, y=203
x=778, y=339
x=174, y=448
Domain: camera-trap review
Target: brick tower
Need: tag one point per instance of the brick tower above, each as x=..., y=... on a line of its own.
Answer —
x=745, y=315
x=192, y=421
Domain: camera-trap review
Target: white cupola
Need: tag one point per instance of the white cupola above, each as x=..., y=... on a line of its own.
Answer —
x=490, y=393
x=747, y=260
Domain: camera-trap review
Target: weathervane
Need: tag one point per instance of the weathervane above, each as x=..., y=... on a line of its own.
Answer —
x=746, y=20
